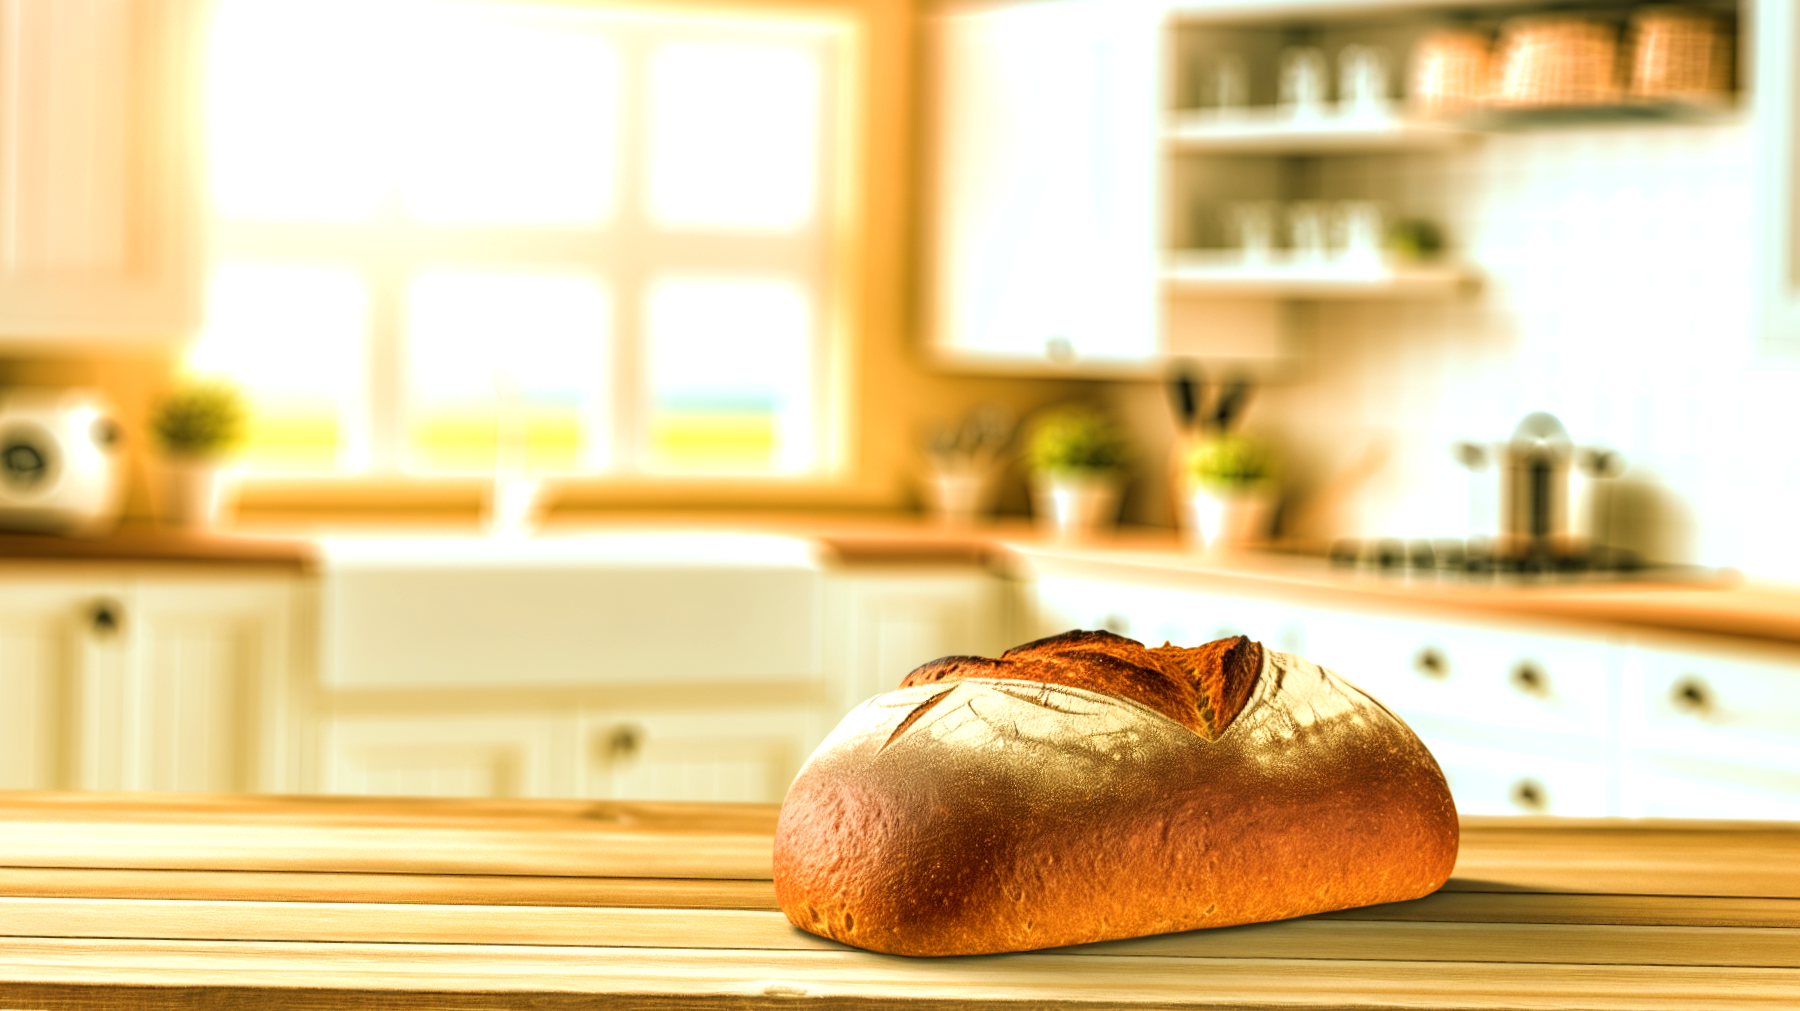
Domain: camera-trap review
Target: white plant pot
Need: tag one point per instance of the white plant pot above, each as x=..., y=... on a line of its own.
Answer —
x=1073, y=506
x=194, y=493
x=958, y=497
x=1220, y=521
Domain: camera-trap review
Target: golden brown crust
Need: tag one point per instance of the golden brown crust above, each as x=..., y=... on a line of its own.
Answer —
x=1202, y=688
x=973, y=813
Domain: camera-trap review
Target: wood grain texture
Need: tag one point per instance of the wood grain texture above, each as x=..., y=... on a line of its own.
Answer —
x=1544, y=914
x=747, y=930
x=386, y=835
x=695, y=978
x=436, y=889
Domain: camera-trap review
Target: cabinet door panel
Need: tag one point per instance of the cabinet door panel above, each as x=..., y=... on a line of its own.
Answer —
x=99, y=164
x=1046, y=182
x=1529, y=681
x=208, y=682
x=1497, y=781
x=39, y=629
x=744, y=756
x=452, y=756
x=882, y=625
x=1711, y=700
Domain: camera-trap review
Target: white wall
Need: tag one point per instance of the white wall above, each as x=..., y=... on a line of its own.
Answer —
x=1617, y=294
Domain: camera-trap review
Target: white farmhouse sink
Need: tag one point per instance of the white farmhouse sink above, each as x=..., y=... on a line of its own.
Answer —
x=613, y=608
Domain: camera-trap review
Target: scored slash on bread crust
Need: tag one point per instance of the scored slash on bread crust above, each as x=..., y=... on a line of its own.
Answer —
x=1086, y=788
x=1202, y=688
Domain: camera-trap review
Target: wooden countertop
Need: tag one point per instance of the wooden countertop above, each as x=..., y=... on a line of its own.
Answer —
x=161, y=545
x=171, y=901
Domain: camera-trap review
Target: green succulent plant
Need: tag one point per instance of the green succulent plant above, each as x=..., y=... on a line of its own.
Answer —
x=199, y=419
x=1230, y=461
x=1076, y=440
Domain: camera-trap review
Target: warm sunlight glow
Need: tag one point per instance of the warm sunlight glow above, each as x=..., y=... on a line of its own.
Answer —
x=477, y=112
x=729, y=376
x=733, y=135
x=292, y=337
x=506, y=372
x=538, y=237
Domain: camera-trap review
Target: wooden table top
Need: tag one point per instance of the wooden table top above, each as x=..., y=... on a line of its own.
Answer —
x=114, y=900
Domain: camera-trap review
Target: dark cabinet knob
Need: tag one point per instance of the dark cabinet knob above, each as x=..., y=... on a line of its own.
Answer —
x=1691, y=695
x=106, y=617
x=1528, y=676
x=1432, y=663
x=1528, y=794
x=619, y=745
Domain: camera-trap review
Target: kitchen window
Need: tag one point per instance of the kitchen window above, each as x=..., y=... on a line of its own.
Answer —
x=465, y=238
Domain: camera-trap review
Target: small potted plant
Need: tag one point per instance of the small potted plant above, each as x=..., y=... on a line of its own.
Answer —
x=1231, y=496
x=1077, y=456
x=196, y=426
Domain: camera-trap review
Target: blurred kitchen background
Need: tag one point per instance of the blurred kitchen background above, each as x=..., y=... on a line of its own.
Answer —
x=583, y=399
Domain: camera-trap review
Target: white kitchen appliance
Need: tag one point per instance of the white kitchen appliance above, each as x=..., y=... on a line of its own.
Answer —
x=60, y=465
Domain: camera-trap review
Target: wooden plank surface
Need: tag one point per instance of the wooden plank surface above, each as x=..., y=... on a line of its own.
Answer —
x=238, y=901
x=1354, y=940
x=724, y=978
x=386, y=835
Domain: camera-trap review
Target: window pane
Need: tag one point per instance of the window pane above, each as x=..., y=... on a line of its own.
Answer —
x=733, y=135
x=298, y=119
x=730, y=368
x=506, y=372
x=472, y=112
x=510, y=117
x=293, y=337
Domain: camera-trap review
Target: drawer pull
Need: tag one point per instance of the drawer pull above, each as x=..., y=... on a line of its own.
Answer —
x=1691, y=695
x=1529, y=677
x=619, y=745
x=106, y=616
x=1528, y=794
x=1432, y=663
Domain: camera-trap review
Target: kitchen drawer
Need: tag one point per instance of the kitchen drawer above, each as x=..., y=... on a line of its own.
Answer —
x=527, y=755
x=745, y=755
x=1667, y=786
x=736, y=755
x=1710, y=700
x=1498, y=781
x=1527, y=681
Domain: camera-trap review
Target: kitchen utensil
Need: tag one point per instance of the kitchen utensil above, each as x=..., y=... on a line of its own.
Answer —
x=1450, y=72
x=1304, y=80
x=1679, y=53
x=1535, y=486
x=1362, y=80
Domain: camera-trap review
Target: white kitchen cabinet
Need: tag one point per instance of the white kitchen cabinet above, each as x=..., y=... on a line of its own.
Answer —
x=747, y=754
x=99, y=169
x=126, y=679
x=883, y=622
x=1044, y=180
x=1524, y=716
x=720, y=685
x=1775, y=87
x=42, y=626
x=452, y=755
x=1710, y=724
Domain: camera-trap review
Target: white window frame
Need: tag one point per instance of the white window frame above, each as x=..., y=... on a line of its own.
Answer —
x=627, y=252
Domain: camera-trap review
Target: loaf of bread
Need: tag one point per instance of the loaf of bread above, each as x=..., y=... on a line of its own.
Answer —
x=1085, y=788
